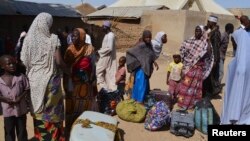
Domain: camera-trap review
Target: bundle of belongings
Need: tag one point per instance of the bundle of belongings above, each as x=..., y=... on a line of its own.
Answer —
x=94, y=126
x=131, y=111
x=157, y=116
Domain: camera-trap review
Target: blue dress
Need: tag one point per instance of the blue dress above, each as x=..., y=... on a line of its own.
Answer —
x=141, y=85
x=236, y=105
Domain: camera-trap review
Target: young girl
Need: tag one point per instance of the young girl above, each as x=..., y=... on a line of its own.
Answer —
x=140, y=61
x=14, y=88
x=174, y=74
x=120, y=75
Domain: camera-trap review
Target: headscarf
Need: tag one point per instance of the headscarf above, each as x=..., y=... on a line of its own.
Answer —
x=38, y=56
x=73, y=54
x=202, y=28
x=141, y=55
x=107, y=24
x=157, y=43
x=192, y=50
x=146, y=33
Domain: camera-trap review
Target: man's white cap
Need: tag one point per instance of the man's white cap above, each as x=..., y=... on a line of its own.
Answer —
x=213, y=19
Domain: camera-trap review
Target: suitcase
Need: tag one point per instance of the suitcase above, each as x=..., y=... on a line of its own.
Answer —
x=182, y=123
x=160, y=95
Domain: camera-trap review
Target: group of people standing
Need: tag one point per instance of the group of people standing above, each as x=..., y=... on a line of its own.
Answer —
x=193, y=74
x=41, y=92
x=198, y=70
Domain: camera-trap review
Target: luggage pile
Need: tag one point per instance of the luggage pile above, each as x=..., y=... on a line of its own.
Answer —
x=156, y=113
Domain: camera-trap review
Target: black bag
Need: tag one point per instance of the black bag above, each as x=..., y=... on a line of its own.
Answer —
x=108, y=101
x=182, y=123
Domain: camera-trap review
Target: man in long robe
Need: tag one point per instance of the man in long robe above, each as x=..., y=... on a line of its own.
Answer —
x=106, y=66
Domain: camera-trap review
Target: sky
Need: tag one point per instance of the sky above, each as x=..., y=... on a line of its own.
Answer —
x=96, y=3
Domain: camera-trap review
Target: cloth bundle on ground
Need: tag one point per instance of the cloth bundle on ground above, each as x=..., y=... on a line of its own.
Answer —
x=205, y=114
x=131, y=111
x=182, y=123
x=157, y=116
x=94, y=126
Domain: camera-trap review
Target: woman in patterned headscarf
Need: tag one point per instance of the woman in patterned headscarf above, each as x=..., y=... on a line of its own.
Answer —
x=197, y=59
x=41, y=56
x=84, y=89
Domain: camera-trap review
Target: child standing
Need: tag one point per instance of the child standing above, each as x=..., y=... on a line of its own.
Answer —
x=120, y=75
x=174, y=74
x=14, y=88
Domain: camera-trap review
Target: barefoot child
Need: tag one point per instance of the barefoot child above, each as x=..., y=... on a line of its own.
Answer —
x=120, y=75
x=14, y=88
x=174, y=74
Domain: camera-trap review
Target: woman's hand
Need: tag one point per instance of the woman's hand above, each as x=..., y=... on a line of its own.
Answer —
x=90, y=49
x=156, y=66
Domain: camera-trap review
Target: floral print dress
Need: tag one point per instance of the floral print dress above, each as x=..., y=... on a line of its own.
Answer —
x=48, y=124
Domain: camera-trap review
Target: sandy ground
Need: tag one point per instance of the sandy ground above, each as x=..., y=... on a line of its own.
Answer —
x=136, y=131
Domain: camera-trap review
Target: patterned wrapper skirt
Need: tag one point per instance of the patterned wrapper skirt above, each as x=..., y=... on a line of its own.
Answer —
x=190, y=88
x=48, y=131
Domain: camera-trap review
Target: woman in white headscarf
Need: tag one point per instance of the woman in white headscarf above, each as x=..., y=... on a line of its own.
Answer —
x=42, y=58
x=158, y=41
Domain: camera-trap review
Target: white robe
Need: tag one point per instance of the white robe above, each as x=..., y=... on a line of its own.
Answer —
x=236, y=104
x=106, y=66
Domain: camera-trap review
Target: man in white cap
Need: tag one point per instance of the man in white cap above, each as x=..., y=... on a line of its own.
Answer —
x=212, y=86
x=106, y=65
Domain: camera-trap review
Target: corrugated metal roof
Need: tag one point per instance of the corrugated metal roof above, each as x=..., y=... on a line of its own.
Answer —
x=126, y=12
x=31, y=8
x=6, y=9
